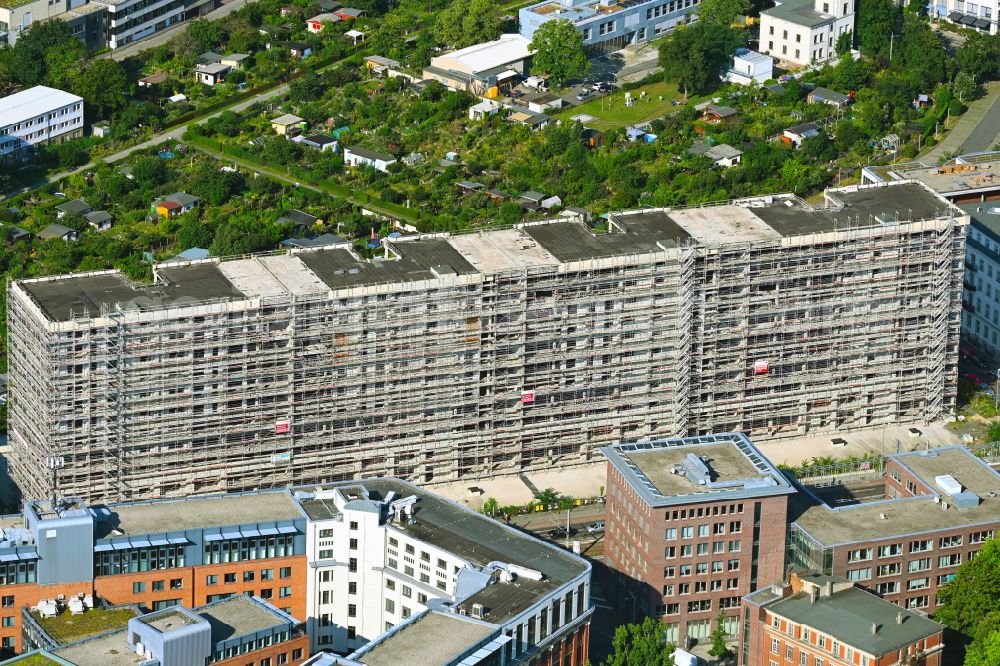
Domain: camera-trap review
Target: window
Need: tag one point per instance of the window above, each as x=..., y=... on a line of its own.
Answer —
x=920, y=546
x=267, y=574
x=889, y=569
x=687, y=532
x=354, y=524
x=887, y=588
x=918, y=602
x=390, y=584
x=229, y=578
x=918, y=565
x=176, y=583
x=285, y=572
x=775, y=645
x=425, y=578
x=267, y=593
x=859, y=574
x=890, y=550
x=390, y=606
x=284, y=592
x=950, y=542
x=352, y=564
x=159, y=585
x=980, y=537
x=9, y=621
x=952, y=560
x=352, y=544
x=703, y=530
x=917, y=583
x=671, y=534
x=211, y=580
x=352, y=610
x=421, y=598
x=352, y=587
x=351, y=632
x=138, y=588
x=247, y=576
x=407, y=591
x=859, y=555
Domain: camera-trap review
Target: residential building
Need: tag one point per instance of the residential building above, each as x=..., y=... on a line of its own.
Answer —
x=816, y=619
x=829, y=97
x=349, y=13
x=86, y=20
x=132, y=20
x=750, y=67
x=72, y=207
x=692, y=525
x=973, y=178
x=229, y=632
x=980, y=16
x=717, y=114
x=211, y=75
x=799, y=133
x=100, y=220
x=381, y=66
x=805, y=32
x=610, y=26
x=299, y=50
x=483, y=110
x=174, y=204
x=482, y=69
x=315, y=24
x=383, y=552
x=320, y=142
x=300, y=220
x=534, y=352
x=59, y=231
x=286, y=123
x=981, y=300
x=356, y=156
x=933, y=511
x=37, y=117
x=722, y=154
x=236, y=60
x=154, y=554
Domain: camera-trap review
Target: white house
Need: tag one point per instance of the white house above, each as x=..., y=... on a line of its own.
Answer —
x=483, y=110
x=36, y=117
x=796, y=135
x=750, y=66
x=358, y=156
x=211, y=75
x=803, y=32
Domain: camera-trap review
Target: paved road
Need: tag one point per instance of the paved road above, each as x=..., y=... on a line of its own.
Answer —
x=163, y=37
x=984, y=136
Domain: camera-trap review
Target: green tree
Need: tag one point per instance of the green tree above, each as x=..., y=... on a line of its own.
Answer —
x=194, y=233
x=207, y=34
x=719, y=648
x=559, y=51
x=63, y=62
x=467, y=22
x=917, y=8
x=876, y=20
x=28, y=62
x=243, y=233
x=149, y=171
x=985, y=647
x=103, y=86
x=845, y=42
x=979, y=56
x=547, y=496
x=993, y=432
x=921, y=52
x=491, y=507
x=722, y=12
x=974, y=592
x=695, y=56
x=964, y=87
x=641, y=645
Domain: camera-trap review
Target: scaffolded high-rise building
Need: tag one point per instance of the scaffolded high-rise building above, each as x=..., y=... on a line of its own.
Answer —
x=462, y=356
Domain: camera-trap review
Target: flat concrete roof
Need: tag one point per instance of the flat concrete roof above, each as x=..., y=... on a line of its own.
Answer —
x=239, y=616
x=965, y=173
x=909, y=515
x=168, y=621
x=199, y=513
x=689, y=470
x=542, y=244
x=432, y=638
x=107, y=650
x=479, y=540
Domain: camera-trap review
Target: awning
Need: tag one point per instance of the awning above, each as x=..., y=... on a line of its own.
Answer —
x=231, y=535
x=213, y=537
x=141, y=543
x=967, y=20
x=159, y=542
x=981, y=23
x=27, y=556
x=121, y=545
x=250, y=533
x=268, y=531
x=8, y=557
x=287, y=529
x=954, y=16
x=102, y=547
x=507, y=74
x=179, y=540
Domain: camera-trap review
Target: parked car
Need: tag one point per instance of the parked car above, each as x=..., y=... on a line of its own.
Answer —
x=584, y=95
x=560, y=532
x=595, y=528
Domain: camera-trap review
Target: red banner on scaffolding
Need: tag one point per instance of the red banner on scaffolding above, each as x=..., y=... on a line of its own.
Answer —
x=527, y=397
x=760, y=367
x=282, y=427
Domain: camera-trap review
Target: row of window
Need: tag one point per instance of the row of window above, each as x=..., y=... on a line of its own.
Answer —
x=688, y=550
x=700, y=586
x=704, y=531
x=248, y=576
x=704, y=511
x=251, y=548
x=701, y=568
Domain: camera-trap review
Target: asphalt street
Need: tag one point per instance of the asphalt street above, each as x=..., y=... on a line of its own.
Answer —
x=986, y=132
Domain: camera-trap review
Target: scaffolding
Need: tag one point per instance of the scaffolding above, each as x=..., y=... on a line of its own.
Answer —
x=462, y=377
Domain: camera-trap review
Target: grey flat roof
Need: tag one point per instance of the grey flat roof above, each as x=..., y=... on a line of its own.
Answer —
x=481, y=540
x=107, y=650
x=848, y=616
x=799, y=12
x=199, y=513
x=984, y=215
x=735, y=466
x=908, y=516
x=239, y=616
x=369, y=154
x=760, y=219
x=431, y=638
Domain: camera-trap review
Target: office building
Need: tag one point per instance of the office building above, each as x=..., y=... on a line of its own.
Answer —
x=37, y=117
x=692, y=526
x=399, y=552
x=86, y=20
x=456, y=356
x=609, y=26
x=825, y=620
x=805, y=32
x=904, y=530
x=231, y=632
x=980, y=16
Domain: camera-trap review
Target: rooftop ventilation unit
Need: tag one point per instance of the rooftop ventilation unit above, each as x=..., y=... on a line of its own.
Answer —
x=948, y=483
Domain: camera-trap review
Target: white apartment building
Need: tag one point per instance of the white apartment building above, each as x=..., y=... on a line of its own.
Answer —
x=382, y=552
x=804, y=32
x=132, y=20
x=981, y=15
x=36, y=117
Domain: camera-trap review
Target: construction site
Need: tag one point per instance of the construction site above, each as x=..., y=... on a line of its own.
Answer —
x=461, y=357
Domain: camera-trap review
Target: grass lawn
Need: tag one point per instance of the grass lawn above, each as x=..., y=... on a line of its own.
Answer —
x=34, y=660
x=66, y=627
x=611, y=111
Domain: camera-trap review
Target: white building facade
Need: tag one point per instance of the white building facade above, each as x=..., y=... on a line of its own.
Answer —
x=37, y=117
x=378, y=558
x=132, y=20
x=803, y=33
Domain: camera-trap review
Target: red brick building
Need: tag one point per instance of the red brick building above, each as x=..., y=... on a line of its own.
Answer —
x=692, y=526
x=918, y=521
x=820, y=620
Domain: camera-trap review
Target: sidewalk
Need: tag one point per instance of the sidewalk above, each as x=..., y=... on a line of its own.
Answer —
x=986, y=110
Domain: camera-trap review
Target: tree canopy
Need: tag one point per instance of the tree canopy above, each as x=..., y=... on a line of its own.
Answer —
x=695, y=56
x=974, y=593
x=641, y=645
x=722, y=12
x=876, y=21
x=559, y=51
x=467, y=22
